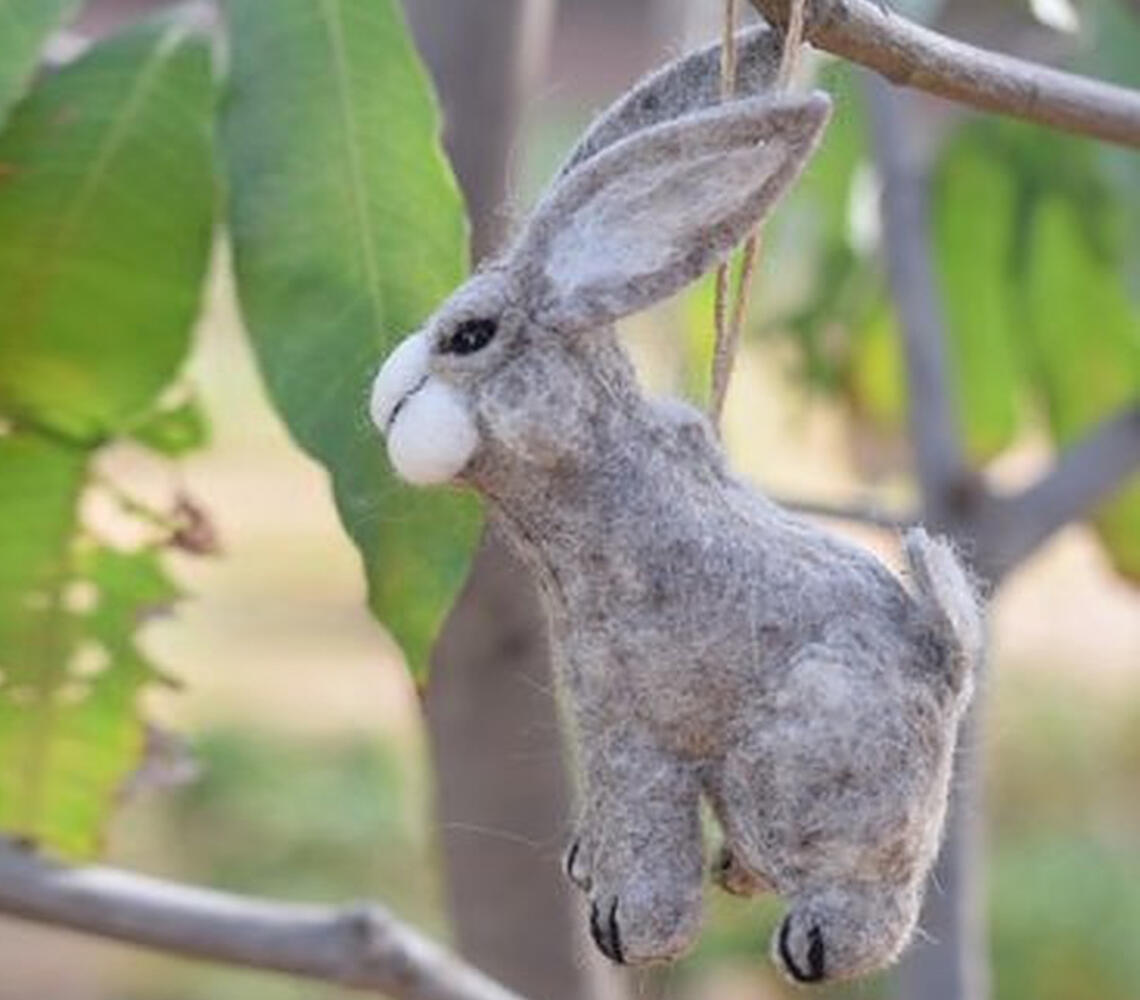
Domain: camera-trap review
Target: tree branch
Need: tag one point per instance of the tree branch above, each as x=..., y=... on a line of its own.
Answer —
x=909, y=55
x=858, y=512
x=362, y=947
x=1085, y=474
x=933, y=423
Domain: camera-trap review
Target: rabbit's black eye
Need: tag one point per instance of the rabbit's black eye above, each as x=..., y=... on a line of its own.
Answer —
x=470, y=336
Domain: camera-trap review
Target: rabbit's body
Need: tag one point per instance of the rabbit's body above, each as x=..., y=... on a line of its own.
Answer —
x=653, y=521
x=706, y=635
x=712, y=644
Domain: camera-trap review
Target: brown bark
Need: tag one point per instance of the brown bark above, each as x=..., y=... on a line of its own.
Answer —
x=361, y=946
x=502, y=799
x=871, y=34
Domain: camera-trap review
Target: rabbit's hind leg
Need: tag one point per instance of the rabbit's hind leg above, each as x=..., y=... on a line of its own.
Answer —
x=742, y=865
x=808, y=784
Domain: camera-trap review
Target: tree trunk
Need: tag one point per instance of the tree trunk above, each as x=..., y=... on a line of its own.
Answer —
x=502, y=797
x=484, y=56
x=949, y=960
x=502, y=793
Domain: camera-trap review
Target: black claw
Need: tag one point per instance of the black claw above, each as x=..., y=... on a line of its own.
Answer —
x=615, y=936
x=723, y=869
x=596, y=931
x=815, y=955
x=607, y=938
x=785, y=955
x=723, y=862
x=571, y=857
x=583, y=882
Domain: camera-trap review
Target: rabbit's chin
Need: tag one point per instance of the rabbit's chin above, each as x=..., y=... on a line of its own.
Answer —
x=431, y=436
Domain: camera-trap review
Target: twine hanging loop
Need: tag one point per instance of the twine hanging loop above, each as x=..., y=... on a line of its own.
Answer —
x=728, y=326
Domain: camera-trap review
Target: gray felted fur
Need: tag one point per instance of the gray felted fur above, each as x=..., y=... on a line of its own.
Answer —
x=683, y=86
x=711, y=643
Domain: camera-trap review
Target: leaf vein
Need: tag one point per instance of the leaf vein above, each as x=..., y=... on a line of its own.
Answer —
x=332, y=16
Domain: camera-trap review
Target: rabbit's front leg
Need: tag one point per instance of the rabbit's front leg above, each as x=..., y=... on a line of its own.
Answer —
x=638, y=853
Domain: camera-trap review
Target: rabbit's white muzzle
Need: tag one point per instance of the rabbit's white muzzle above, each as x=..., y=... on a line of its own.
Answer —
x=431, y=434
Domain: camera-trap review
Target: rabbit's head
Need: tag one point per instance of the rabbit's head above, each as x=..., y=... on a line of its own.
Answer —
x=482, y=378
x=514, y=366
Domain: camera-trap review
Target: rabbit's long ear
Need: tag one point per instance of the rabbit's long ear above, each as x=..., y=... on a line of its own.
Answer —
x=683, y=86
x=641, y=220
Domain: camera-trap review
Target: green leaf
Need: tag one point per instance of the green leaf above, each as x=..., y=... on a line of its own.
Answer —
x=1118, y=524
x=175, y=431
x=1111, y=50
x=105, y=224
x=974, y=204
x=1085, y=334
x=70, y=672
x=845, y=289
x=1110, y=54
x=876, y=379
x=698, y=336
x=348, y=230
x=25, y=26
x=827, y=181
x=39, y=488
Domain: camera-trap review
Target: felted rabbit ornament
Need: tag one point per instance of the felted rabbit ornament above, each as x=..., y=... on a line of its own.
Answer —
x=710, y=643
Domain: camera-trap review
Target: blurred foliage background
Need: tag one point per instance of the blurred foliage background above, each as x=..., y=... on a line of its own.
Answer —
x=312, y=779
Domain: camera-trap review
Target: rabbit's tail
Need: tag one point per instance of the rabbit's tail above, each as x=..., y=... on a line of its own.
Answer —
x=944, y=588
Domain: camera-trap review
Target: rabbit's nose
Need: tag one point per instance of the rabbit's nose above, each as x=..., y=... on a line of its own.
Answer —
x=432, y=438
x=405, y=369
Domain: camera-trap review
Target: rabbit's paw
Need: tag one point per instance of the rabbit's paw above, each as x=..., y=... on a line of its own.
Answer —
x=844, y=931
x=733, y=877
x=634, y=928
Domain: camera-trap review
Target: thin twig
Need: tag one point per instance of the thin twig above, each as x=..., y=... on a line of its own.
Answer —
x=856, y=511
x=728, y=50
x=362, y=947
x=1086, y=474
x=933, y=422
x=793, y=41
x=866, y=32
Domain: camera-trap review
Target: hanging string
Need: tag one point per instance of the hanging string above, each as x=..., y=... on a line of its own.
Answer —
x=728, y=328
x=724, y=350
x=728, y=51
x=793, y=44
